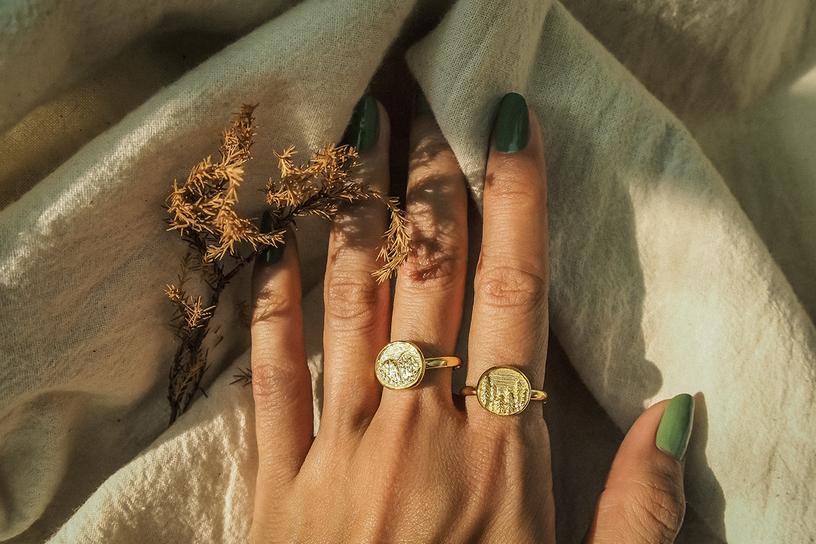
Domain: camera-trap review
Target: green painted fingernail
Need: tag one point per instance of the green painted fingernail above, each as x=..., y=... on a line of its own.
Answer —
x=364, y=127
x=511, y=128
x=272, y=254
x=674, y=430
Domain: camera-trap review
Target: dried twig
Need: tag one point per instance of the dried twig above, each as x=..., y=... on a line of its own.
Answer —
x=243, y=377
x=202, y=210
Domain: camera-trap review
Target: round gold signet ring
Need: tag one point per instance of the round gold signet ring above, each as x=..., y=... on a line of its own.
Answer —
x=504, y=391
x=401, y=365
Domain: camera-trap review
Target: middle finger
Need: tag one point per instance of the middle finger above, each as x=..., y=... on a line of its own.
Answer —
x=430, y=285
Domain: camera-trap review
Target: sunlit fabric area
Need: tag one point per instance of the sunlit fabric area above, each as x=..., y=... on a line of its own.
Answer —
x=680, y=141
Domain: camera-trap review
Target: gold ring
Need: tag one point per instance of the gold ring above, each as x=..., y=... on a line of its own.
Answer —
x=504, y=391
x=401, y=365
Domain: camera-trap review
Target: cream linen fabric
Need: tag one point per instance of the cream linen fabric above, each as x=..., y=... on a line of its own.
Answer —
x=680, y=139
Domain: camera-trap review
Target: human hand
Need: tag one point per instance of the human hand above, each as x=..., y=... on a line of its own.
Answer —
x=422, y=464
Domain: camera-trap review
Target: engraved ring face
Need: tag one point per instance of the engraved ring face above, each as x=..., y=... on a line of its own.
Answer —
x=400, y=365
x=503, y=391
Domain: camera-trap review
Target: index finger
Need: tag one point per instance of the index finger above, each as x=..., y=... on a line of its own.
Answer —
x=510, y=323
x=281, y=383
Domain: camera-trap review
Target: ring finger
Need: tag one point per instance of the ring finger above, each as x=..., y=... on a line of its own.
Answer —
x=510, y=322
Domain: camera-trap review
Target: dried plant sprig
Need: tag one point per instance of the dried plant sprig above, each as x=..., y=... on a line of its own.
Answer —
x=397, y=242
x=323, y=186
x=194, y=313
x=243, y=376
x=203, y=211
x=205, y=203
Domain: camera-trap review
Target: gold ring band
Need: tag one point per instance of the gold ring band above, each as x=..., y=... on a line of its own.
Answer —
x=443, y=362
x=401, y=365
x=504, y=391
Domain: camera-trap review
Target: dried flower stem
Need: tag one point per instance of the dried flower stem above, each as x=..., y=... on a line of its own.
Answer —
x=203, y=211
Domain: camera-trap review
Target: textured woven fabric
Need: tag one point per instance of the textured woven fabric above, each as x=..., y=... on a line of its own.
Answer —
x=679, y=140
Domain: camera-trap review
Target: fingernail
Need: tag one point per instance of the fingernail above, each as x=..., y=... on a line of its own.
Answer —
x=674, y=430
x=511, y=128
x=364, y=127
x=272, y=254
x=421, y=105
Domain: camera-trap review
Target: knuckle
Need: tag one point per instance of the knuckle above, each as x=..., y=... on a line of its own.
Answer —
x=432, y=265
x=272, y=302
x=268, y=380
x=405, y=414
x=514, y=434
x=277, y=383
x=657, y=509
x=351, y=301
x=510, y=286
x=513, y=181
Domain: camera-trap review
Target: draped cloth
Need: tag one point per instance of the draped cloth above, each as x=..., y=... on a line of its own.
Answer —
x=682, y=195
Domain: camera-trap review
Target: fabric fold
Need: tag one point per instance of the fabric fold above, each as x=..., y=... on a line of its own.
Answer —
x=660, y=282
x=89, y=243
x=57, y=43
